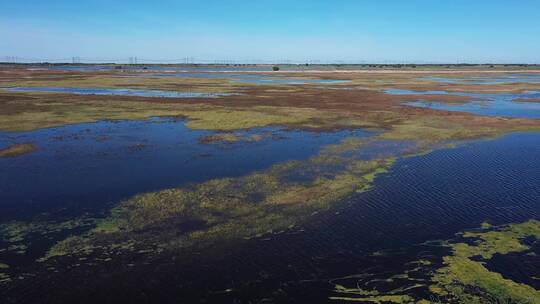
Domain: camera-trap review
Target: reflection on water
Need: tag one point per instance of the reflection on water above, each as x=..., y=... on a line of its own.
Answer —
x=487, y=79
x=500, y=104
x=118, y=92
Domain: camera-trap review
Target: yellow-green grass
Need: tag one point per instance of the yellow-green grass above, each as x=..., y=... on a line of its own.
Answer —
x=40, y=113
x=463, y=276
x=206, y=85
x=461, y=270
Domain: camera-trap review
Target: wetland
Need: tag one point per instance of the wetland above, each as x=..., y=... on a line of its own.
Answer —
x=222, y=184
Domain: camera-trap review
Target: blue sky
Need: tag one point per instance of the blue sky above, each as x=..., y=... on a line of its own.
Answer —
x=382, y=30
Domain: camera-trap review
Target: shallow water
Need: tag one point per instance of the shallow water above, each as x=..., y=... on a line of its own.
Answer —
x=118, y=92
x=501, y=104
x=257, y=78
x=88, y=165
x=492, y=180
x=488, y=79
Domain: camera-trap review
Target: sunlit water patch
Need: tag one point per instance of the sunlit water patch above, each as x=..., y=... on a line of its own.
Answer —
x=487, y=79
x=500, y=104
x=118, y=92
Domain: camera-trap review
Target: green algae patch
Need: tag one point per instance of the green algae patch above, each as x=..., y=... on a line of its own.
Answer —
x=467, y=280
x=369, y=296
x=17, y=234
x=66, y=247
x=462, y=277
x=377, y=299
x=397, y=288
x=16, y=150
x=4, y=278
x=250, y=206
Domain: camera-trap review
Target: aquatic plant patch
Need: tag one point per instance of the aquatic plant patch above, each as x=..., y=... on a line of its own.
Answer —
x=462, y=277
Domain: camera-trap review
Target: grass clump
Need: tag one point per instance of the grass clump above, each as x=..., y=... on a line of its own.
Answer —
x=229, y=137
x=16, y=150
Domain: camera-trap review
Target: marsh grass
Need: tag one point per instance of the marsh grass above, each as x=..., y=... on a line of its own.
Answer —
x=261, y=203
x=16, y=150
x=18, y=233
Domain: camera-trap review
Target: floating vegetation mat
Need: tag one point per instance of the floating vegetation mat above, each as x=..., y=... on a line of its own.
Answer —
x=230, y=208
x=463, y=276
